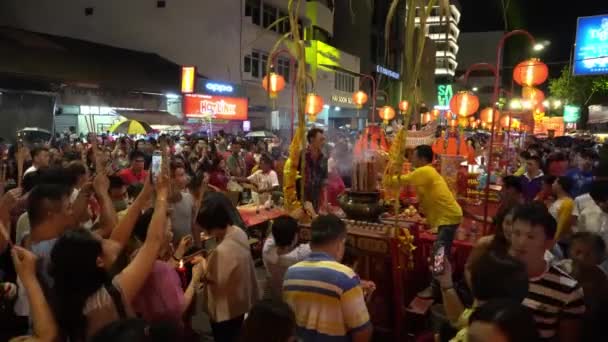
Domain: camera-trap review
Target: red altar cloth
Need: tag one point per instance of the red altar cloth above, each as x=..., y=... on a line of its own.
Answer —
x=252, y=216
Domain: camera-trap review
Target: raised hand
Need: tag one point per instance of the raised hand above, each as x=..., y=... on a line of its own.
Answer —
x=24, y=262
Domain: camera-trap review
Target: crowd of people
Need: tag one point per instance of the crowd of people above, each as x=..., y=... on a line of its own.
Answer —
x=112, y=239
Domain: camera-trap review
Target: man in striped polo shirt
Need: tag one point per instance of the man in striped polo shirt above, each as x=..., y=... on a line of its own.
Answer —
x=325, y=295
x=555, y=298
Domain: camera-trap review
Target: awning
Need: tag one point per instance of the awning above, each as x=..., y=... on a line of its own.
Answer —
x=152, y=117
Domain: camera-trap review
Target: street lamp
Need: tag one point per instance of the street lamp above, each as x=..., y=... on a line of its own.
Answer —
x=552, y=103
x=540, y=46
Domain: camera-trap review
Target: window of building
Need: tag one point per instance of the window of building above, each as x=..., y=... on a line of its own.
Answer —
x=320, y=34
x=270, y=16
x=247, y=66
x=344, y=82
x=88, y=11
x=284, y=25
x=253, y=9
x=282, y=68
x=161, y=4
x=264, y=66
x=255, y=64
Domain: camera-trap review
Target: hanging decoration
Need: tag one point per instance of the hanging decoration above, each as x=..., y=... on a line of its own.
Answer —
x=386, y=113
x=464, y=103
x=506, y=121
x=426, y=118
x=489, y=115
x=406, y=244
x=404, y=106
x=273, y=83
x=359, y=99
x=435, y=113
x=534, y=95
x=463, y=122
x=314, y=106
x=531, y=72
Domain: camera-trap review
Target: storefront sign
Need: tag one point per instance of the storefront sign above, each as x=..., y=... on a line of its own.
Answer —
x=444, y=96
x=218, y=87
x=572, y=113
x=246, y=126
x=342, y=99
x=188, y=79
x=550, y=125
x=384, y=71
x=598, y=114
x=217, y=107
x=591, y=49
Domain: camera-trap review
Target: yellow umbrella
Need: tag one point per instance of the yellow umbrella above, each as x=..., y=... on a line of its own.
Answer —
x=131, y=127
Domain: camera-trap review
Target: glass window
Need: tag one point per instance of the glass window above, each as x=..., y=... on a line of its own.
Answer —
x=247, y=63
x=255, y=64
x=344, y=82
x=282, y=68
x=252, y=9
x=284, y=25
x=264, y=64
x=270, y=16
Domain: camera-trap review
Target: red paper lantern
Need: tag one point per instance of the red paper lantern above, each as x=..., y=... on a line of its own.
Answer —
x=534, y=95
x=506, y=121
x=531, y=72
x=435, y=113
x=386, y=113
x=273, y=83
x=464, y=103
x=426, y=118
x=314, y=106
x=359, y=98
x=453, y=123
x=488, y=115
x=404, y=106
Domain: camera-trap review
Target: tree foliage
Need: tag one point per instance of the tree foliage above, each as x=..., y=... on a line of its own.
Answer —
x=577, y=89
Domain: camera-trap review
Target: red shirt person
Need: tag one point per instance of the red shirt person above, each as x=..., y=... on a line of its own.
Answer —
x=136, y=173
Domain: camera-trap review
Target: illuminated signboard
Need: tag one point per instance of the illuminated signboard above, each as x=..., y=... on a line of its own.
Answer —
x=384, y=71
x=550, y=125
x=246, y=126
x=591, y=49
x=342, y=99
x=572, y=114
x=219, y=87
x=217, y=107
x=188, y=79
x=444, y=96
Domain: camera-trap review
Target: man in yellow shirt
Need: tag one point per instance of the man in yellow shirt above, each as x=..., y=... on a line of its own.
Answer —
x=437, y=202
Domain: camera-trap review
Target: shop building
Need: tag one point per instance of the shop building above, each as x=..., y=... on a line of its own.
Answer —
x=213, y=106
x=444, y=32
x=58, y=83
x=228, y=41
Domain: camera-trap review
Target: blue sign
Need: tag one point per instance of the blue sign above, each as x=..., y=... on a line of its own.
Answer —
x=591, y=50
x=219, y=87
x=384, y=71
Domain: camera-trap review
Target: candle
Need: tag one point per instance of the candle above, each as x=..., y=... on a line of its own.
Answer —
x=181, y=270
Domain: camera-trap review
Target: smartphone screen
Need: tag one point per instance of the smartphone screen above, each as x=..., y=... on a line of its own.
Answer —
x=156, y=164
x=438, y=260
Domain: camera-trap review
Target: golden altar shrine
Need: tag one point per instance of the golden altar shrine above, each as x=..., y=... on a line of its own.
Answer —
x=382, y=261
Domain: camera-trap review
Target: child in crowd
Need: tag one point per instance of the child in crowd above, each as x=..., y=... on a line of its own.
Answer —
x=280, y=251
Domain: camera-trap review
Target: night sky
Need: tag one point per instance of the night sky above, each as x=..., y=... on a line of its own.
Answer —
x=553, y=20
